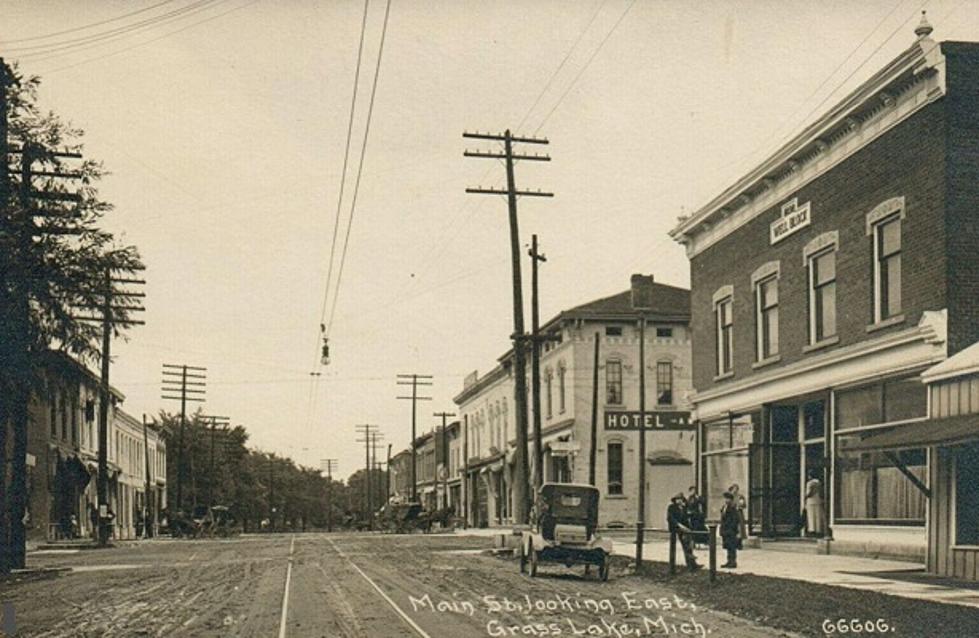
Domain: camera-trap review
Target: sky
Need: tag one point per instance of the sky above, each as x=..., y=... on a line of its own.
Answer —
x=223, y=124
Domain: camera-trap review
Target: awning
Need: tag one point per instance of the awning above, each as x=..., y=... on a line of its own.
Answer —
x=947, y=431
x=667, y=457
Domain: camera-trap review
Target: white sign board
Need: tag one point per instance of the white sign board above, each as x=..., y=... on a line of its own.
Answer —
x=793, y=219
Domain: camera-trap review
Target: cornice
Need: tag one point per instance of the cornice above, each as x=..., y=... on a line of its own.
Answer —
x=911, y=81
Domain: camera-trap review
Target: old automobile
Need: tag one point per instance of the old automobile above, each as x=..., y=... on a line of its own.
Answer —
x=566, y=530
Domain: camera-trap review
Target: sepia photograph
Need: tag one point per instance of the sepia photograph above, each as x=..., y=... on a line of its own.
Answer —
x=489, y=318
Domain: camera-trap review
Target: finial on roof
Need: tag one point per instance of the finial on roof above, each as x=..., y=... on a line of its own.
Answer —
x=924, y=28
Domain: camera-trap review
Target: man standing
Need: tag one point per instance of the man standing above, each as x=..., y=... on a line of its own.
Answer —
x=730, y=530
x=676, y=519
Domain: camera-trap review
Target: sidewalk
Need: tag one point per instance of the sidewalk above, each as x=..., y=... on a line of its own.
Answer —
x=888, y=577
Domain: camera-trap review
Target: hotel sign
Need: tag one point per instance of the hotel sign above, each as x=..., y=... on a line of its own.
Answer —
x=794, y=218
x=655, y=420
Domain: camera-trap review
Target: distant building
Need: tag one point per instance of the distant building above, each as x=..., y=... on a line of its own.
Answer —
x=128, y=461
x=828, y=283
x=486, y=406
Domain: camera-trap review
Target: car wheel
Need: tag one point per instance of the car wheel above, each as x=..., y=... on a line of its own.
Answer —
x=533, y=560
x=523, y=560
x=604, y=568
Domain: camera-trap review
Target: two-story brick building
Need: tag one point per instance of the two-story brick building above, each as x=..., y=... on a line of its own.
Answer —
x=824, y=282
x=567, y=390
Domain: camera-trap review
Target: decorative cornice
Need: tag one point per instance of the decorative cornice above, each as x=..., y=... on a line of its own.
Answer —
x=911, y=81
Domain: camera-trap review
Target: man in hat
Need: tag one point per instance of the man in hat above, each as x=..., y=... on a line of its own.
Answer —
x=676, y=519
x=730, y=530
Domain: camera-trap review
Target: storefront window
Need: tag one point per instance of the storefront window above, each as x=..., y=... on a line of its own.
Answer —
x=723, y=471
x=728, y=434
x=888, y=402
x=966, y=495
x=874, y=486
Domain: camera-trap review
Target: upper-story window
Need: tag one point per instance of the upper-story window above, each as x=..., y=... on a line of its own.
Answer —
x=884, y=229
x=561, y=373
x=664, y=333
x=766, y=317
x=664, y=383
x=724, y=317
x=549, y=381
x=613, y=381
x=887, y=268
x=613, y=331
x=822, y=295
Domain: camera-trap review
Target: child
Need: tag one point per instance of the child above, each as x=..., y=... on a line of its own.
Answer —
x=730, y=530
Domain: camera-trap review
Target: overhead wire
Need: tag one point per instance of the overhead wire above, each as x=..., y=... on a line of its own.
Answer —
x=86, y=26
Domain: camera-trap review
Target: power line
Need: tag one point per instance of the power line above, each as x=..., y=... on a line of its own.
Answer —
x=343, y=172
x=587, y=64
x=360, y=166
x=87, y=26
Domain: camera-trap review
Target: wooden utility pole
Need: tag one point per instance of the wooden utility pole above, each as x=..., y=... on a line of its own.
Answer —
x=641, y=521
x=367, y=431
x=147, y=509
x=593, y=449
x=215, y=421
x=521, y=486
x=537, y=340
x=183, y=383
x=387, y=476
x=445, y=458
x=414, y=380
x=329, y=465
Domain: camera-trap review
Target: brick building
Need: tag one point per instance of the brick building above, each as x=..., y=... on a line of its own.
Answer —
x=486, y=407
x=824, y=282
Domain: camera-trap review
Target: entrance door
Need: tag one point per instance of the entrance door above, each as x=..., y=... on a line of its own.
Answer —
x=786, y=492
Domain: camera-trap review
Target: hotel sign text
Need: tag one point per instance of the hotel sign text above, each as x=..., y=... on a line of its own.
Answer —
x=674, y=420
x=794, y=218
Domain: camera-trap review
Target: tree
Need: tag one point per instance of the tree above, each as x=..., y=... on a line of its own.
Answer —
x=54, y=260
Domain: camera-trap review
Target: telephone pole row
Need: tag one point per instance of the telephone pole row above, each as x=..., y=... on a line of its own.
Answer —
x=183, y=383
x=521, y=491
x=414, y=380
x=224, y=422
x=368, y=432
x=329, y=466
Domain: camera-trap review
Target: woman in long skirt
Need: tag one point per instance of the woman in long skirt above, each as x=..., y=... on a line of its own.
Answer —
x=815, y=517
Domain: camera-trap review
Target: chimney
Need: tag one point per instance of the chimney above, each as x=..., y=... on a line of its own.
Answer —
x=642, y=291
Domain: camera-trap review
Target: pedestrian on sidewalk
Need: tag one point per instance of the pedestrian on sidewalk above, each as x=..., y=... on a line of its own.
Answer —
x=742, y=506
x=678, y=523
x=815, y=520
x=696, y=514
x=730, y=530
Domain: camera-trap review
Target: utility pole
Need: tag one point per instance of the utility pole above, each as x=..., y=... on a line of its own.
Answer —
x=147, y=526
x=520, y=496
x=215, y=420
x=329, y=465
x=183, y=383
x=271, y=492
x=445, y=458
x=641, y=522
x=414, y=380
x=593, y=450
x=375, y=475
x=387, y=476
x=367, y=431
x=112, y=312
x=537, y=340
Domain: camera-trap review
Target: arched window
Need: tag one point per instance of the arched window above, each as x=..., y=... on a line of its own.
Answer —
x=561, y=372
x=613, y=464
x=549, y=382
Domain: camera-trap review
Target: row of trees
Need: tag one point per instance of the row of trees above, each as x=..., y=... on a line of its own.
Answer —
x=257, y=486
x=55, y=264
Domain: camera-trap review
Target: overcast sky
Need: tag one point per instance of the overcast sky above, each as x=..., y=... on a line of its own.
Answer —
x=224, y=126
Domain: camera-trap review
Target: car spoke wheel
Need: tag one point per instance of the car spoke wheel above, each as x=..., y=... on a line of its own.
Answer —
x=533, y=560
x=604, y=568
x=523, y=559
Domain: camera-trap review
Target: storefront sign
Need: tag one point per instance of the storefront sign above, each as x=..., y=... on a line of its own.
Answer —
x=794, y=218
x=674, y=420
x=564, y=448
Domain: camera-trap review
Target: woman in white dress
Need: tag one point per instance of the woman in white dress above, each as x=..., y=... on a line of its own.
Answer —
x=815, y=516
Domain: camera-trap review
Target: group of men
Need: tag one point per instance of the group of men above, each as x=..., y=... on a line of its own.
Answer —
x=687, y=517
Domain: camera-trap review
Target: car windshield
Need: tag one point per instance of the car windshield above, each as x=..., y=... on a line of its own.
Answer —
x=570, y=505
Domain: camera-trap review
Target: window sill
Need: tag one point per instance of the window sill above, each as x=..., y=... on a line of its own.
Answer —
x=825, y=343
x=724, y=375
x=775, y=358
x=886, y=323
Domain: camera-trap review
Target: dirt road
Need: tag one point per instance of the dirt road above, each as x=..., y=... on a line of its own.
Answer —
x=342, y=586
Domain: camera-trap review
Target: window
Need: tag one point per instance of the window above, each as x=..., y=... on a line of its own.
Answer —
x=561, y=371
x=664, y=383
x=874, y=486
x=613, y=382
x=822, y=295
x=887, y=268
x=664, y=333
x=766, y=318
x=725, y=334
x=614, y=453
x=613, y=331
x=549, y=381
x=966, y=495
x=53, y=415
x=889, y=402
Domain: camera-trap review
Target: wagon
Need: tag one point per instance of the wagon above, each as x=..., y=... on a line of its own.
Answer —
x=566, y=531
